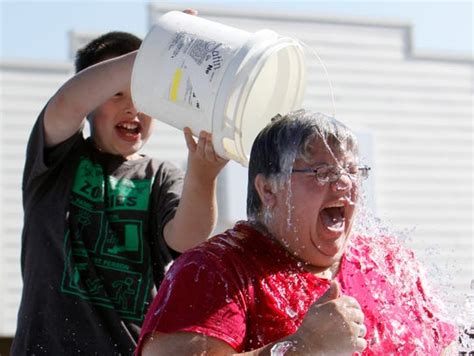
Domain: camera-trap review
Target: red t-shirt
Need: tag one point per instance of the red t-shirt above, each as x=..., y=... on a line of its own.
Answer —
x=245, y=289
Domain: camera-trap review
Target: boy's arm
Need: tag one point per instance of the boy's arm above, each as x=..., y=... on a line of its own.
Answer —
x=196, y=215
x=66, y=110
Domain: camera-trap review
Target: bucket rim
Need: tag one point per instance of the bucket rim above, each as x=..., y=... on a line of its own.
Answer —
x=254, y=62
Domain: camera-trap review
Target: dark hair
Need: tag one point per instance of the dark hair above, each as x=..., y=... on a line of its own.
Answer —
x=287, y=138
x=109, y=45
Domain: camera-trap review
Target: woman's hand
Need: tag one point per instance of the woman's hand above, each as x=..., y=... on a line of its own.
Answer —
x=333, y=325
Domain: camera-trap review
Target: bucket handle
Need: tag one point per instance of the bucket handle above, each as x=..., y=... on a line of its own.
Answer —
x=328, y=78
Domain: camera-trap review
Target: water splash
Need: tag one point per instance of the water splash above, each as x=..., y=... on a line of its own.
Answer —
x=281, y=348
x=466, y=325
x=290, y=312
x=434, y=278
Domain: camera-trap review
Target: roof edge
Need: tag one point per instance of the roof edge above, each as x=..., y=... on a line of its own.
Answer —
x=262, y=13
x=441, y=56
x=44, y=64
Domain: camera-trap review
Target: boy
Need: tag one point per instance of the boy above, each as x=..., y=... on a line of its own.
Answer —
x=101, y=220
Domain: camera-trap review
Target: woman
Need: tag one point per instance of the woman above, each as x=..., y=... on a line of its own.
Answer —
x=294, y=279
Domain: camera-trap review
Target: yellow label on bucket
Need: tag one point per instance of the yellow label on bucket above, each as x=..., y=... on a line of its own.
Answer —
x=175, y=84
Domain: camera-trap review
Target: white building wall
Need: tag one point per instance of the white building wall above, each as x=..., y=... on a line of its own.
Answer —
x=417, y=111
x=25, y=89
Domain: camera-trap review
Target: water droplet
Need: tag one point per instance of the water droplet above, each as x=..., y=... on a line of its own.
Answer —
x=290, y=312
x=280, y=348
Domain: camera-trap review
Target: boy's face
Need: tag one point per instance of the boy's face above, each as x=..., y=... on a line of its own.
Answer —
x=118, y=129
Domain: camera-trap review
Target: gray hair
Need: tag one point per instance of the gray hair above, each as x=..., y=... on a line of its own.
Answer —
x=290, y=137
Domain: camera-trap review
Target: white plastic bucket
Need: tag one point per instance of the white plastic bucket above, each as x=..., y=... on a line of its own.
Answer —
x=193, y=72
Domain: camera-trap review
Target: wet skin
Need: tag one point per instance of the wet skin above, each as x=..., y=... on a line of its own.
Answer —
x=118, y=128
x=313, y=220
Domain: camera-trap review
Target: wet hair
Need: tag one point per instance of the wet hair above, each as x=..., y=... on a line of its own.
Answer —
x=290, y=137
x=109, y=45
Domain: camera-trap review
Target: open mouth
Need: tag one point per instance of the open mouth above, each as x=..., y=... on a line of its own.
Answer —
x=129, y=130
x=333, y=218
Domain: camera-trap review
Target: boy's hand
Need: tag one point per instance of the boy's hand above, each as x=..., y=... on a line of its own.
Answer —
x=202, y=159
x=196, y=216
x=190, y=11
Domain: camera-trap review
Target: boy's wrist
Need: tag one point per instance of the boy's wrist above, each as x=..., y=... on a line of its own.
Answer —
x=204, y=172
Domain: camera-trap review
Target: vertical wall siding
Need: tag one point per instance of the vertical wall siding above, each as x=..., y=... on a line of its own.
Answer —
x=25, y=88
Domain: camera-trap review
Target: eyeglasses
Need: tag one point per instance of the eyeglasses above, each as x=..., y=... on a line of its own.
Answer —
x=329, y=174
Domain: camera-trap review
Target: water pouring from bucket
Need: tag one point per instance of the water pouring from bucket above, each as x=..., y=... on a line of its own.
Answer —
x=193, y=72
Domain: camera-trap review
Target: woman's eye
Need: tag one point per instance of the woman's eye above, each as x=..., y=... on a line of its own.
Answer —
x=351, y=169
x=117, y=95
x=322, y=170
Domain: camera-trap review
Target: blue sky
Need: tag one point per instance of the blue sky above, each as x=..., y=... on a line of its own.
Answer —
x=38, y=29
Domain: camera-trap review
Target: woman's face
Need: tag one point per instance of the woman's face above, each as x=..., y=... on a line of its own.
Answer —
x=311, y=219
